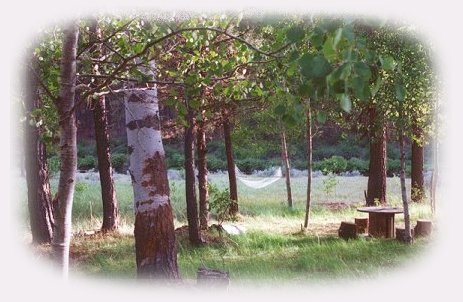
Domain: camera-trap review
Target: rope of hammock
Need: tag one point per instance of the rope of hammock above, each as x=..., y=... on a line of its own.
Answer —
x=258, y=183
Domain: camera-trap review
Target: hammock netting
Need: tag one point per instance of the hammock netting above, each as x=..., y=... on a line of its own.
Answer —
x=258, y=182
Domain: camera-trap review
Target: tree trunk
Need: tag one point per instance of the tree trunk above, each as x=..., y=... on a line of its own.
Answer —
x=155, y=245
x=377, y=169
x=407, y=236
x=230, y=166
x=38, y=185
x=202, y=176
x=417, y=174
x=309, y=165
x=285, y=159
x=68, y=148
x=190, y=188
x=108, y=192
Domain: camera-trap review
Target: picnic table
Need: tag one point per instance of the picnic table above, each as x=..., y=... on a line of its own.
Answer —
x=381, y=220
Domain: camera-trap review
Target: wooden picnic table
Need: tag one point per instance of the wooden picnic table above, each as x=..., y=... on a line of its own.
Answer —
x=381, y=220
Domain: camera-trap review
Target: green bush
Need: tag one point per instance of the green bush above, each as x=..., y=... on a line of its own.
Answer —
x=299, y=164
x=86, y=149
x=175, y=160
x=214, y=164
x=248, y=165
x=357, y=164
x=119, y=162
x=335, y=164
x=220, y=203
x=393, y=166
x=86, y=163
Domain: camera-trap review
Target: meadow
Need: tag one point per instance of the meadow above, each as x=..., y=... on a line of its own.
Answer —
x=274, y=247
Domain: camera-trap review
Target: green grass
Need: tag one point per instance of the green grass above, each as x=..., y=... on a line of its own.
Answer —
x=273, y=248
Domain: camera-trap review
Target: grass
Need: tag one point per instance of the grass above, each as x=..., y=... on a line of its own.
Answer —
x=273, y=248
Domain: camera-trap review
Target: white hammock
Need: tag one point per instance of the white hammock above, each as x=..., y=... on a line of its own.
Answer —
x=255, y=183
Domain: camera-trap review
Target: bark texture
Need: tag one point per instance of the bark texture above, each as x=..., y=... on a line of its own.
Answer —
x=100, y=117
x=230, y=166
x=156, y=254
x=407, y=237
x=108, y=191
x=68, y=149
x=417, y=175
x=285, y=159
x=377, y=169
x=38, y=185
x=202, y=176
x=309, y=165
x=190, y=187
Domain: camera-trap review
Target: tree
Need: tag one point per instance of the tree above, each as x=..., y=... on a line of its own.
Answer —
x=38, y=186
x=155, y=244
x=108, y=192
x=202, y=174
x=68, y=148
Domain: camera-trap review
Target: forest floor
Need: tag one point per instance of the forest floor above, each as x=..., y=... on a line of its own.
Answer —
x=273, y=248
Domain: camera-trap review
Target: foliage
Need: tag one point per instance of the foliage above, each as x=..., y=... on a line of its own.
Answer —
x=220, y=203
x=215, y=164
x=53, y=165
x=356, y=164
x=119, y=162
x=334, y=164
x=87, y=162
x=329, y=184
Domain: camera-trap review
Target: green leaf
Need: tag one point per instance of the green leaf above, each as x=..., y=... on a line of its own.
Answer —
x=280, y=109
x=321, y=117
x=348, y=33
x=305, y=90
x=194, y=103
x=345, y=102
x=328, y=49
x=337, y=37
x=360, y=89
x=400, y=92
x=314, y=66
x=362, y=70
x=295, y=34
x=376, y=86
x=387, y=62
x=316, y=38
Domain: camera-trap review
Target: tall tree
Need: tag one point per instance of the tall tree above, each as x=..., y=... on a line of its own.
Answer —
x=309, y=165
x=100, y=116
x=190, y=188
x=230, y=164
x=202, y=174
x=155, y=245
x=376, y=191
x=417, y=167
x=68, y=148
x=285, y=160
x=38, y=186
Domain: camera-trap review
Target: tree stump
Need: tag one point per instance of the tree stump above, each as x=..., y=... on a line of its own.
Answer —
x=212, y=278
x=400, y=234
x=347, y=230
x=423, y=227
x=362, y=225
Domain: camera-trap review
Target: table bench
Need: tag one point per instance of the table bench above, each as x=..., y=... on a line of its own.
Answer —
x=381, y=220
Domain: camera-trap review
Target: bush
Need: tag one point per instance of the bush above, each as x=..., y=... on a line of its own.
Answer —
x=86, y=149
x=220, y=203
x=299, y=164
x=175, y=160
x=214, y=164
x=334, y=164
x=86, y=163
x=393, y=166
x=357, y=164
x=250, y=164
x=119, y=162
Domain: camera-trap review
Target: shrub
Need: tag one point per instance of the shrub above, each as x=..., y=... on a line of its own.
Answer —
x=175, y=160
x=299, y=164
x=220, y=203
x=214, y=164
x=250, y=164
x=86, y=163
x=85, y=149
x=357, y=164
x=119, y=162
x=334, y=164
